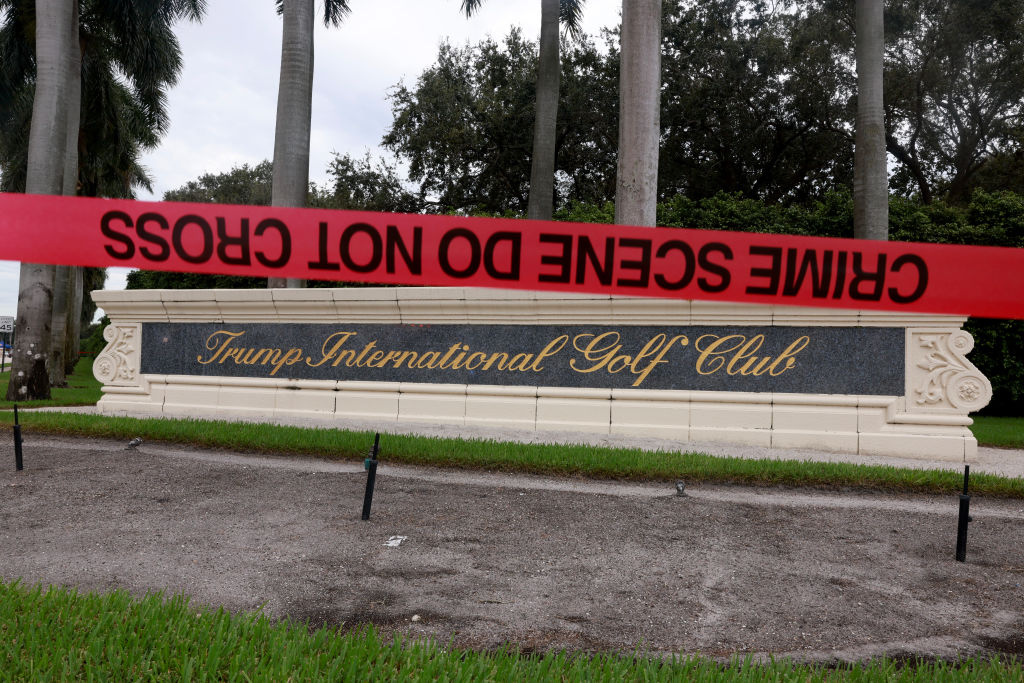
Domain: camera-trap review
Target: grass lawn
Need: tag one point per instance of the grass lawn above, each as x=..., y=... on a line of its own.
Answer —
x=562, y=460
x=1004, y=432
x=82, y=390
x=615, y=463
x=57, y=634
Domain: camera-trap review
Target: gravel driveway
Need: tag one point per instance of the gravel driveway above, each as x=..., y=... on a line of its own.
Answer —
x=541, y=563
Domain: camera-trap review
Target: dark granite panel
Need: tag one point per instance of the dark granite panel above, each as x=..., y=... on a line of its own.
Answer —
x=816, y=360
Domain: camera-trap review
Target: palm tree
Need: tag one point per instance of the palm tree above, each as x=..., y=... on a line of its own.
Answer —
x=45, y=175
x=123, y=79
x=295, y=105
x=542, y=165
x=636, y=186
x=870, y=177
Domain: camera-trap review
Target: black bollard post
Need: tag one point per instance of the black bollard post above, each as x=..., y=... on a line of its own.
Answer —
x=18, y=464
x=371, y=476
x=965, y=517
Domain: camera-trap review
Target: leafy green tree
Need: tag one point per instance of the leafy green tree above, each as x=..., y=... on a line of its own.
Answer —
x=752, y=102
x=464, y=127
x=295, y=104
x=757, y=99
x=355, y=184
x=1003, y=170
x=243, y=184
x=367, y=186
x=747, y=106
x=954, y=91
x=953, y=87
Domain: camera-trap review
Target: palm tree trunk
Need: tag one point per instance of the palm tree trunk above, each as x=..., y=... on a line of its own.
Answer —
x=73, y=339
x=294, y=113
x=69, y=177
x=870, y=177
x=58, y=326
x=47, y=137
x=636, y=191
x=542, y=167
x=62, y=294
x=74, y=314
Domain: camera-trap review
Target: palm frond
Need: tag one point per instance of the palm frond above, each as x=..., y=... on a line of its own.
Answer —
x=470, y=6
x=334, y=11
x=570, y=14
x=17, y=49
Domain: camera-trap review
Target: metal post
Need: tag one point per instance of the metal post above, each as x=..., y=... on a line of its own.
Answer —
x=371, y=476
x=964, y=518
x=18, y=465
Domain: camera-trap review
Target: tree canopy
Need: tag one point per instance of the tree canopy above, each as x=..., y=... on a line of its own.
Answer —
x=757, y=98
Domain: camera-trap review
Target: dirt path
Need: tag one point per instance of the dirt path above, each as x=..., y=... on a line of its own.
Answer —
x=541, y=563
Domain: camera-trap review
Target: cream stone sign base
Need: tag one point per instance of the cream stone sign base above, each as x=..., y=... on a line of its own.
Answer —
x=895, y=384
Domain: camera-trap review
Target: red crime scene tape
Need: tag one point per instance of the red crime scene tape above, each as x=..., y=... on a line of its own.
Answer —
x=362, y=246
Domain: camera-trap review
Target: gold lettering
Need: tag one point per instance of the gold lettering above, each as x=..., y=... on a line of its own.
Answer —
x=477, y=358
x=291, y=358
x=387, y=359
x=714, y=351
x=759, y=369
x=457, y=364
x=372, y=361
x=448, y=354
x=335, y=341
x=213, y=343
x=250, y=359
x=362, y=355
x=745, y=352
x=494, y=358
x=619, y=363
x=412, y=355
x=742, y=361
x=349, y=354
x=429, y=360
x=522, y=360
x=788, y=355
x=652, y=348
x=553, y=347
x=594, y=352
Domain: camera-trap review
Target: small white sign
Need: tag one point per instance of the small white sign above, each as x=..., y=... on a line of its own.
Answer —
x=6, y=323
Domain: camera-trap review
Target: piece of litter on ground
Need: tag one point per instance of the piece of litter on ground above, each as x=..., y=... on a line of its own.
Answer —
x=416, y=617
x=394, y=541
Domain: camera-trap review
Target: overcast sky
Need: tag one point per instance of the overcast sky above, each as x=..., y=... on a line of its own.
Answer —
x=222, y=109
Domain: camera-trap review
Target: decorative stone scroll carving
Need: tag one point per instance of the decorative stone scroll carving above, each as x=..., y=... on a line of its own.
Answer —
x=949, y=379
x=118, y=363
